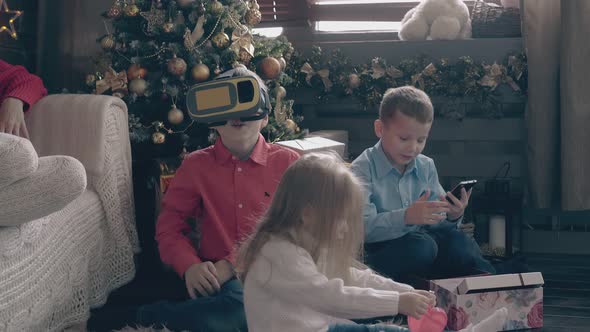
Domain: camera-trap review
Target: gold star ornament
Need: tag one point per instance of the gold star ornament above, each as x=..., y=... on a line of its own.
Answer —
x=7, y=18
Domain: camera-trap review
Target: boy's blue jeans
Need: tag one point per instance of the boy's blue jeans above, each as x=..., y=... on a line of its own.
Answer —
x=438, y=251
x=221, y=312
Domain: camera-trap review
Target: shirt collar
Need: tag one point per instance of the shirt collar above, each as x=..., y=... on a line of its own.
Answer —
x=259, y=154
x=383, y=165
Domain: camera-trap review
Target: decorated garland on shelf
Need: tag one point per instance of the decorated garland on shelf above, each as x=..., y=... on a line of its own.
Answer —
x=334, y=76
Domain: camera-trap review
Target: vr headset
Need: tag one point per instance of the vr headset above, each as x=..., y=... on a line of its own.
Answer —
x=215, y=102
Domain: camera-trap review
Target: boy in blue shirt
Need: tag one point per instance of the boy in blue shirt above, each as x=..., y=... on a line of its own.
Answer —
x=410, y=228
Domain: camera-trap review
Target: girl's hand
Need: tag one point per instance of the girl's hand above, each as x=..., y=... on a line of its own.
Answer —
x=413, y=304
x=429, y=295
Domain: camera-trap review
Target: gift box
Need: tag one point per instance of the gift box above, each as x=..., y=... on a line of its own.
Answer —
x=335, y=135
x=314, y=144
x=472, y=299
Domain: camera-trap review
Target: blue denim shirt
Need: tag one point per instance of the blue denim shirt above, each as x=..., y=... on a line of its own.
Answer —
x=389, y=193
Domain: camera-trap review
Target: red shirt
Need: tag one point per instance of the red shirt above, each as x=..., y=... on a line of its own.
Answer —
x=226, y=195
x=15, y=81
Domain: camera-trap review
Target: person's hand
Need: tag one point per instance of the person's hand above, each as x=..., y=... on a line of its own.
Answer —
x=430, y=295
x=413, y=304
x=424, y=212
x=457, y=209
x=225, y=271
x=12, y=117
x=201, y=280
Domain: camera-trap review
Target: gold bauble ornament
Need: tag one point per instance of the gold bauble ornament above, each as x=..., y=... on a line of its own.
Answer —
x=200, y=72
x=135, y=71
x=253, y=16
x=131, y=10
x=354, y=81
x=269, y=68
x=115, y=11
x=107, y=42
x=220, y=40
x=216, y=7
x=175, y=116
x=176, y=66
x=168, y=27
x=184, y=3
x=244, y=56
x=138, y=86
x=291, y=126
x=158, y=137
x=280, y=92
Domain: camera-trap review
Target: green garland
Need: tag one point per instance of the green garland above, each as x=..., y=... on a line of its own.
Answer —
x=334, y=77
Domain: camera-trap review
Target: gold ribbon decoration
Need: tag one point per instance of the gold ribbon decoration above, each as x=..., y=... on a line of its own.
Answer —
x=324, y=74
x=394, y=72
x=377, y=69
x=496, y=75
x=428, y=71
x=241, y=38
x=112, y=80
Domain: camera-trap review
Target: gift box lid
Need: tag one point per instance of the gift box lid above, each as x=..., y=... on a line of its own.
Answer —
x=311, y=143
x=500, y=282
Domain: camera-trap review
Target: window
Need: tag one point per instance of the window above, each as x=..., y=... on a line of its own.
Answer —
x=282, y=12
x=359, y=16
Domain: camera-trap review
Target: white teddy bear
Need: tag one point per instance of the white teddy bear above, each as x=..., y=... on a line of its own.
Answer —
x=436, y=19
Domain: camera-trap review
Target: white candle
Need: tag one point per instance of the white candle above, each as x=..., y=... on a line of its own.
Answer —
x=497, y=231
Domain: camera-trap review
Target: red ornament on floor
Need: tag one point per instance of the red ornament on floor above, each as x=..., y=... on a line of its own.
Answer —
x=434, y=320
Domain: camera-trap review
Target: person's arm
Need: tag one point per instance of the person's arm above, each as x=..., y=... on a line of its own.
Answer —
x=437, y=189
x=289, y=273
x=16, y=82
x=182, y=200
x=379, y=226
x=368, y=279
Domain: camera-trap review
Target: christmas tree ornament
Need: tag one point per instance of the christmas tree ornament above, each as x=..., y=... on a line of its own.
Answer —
x=220, y=40
x=354, y=81
x=241, y=39
x=115, y=11
x=169, y=26
x=136, y=71
x=159, y=4
x=291, y=126
x=131, y=10
x=138, y=86
x=280, y=111
x=200, y=72
x=155, y=18
x=283, y=63
x=269, y=68
x=185, y=3
x=253, y=15
x=216, y=7
x=217, y=71
x=201, y=9
x=191, y=38
x=179, y=20
x=107, y=42
x=244, y=56
x=112, y=80
x=176, y=66
x=158, y=137
x=175, y=116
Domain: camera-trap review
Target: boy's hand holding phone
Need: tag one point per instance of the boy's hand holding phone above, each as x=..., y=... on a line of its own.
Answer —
x=424, y=212
x=457, y=209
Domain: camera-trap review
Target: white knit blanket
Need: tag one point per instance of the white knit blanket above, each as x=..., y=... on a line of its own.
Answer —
x=54, y=269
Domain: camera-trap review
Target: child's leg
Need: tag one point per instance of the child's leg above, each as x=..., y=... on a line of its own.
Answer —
x=365, y=328
x=221, y=312
x=411, y=254
x=458, y=254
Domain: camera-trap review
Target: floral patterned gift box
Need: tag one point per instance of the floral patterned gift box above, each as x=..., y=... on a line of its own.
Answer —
x=472, y=299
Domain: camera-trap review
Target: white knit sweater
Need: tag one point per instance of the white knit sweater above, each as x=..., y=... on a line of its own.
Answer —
x=284, y=291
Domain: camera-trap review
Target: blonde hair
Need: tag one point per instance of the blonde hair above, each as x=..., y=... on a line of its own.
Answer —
x=408, y=100
x=321, y=190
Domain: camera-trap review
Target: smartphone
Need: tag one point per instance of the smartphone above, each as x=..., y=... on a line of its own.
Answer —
x=457, y=190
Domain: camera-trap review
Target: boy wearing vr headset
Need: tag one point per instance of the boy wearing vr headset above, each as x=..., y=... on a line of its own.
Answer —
x=226, y=187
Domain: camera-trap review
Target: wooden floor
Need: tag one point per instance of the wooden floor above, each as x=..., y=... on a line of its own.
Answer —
x=567, y=291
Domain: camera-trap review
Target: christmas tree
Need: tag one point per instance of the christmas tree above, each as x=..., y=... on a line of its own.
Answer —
x=154, y=51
